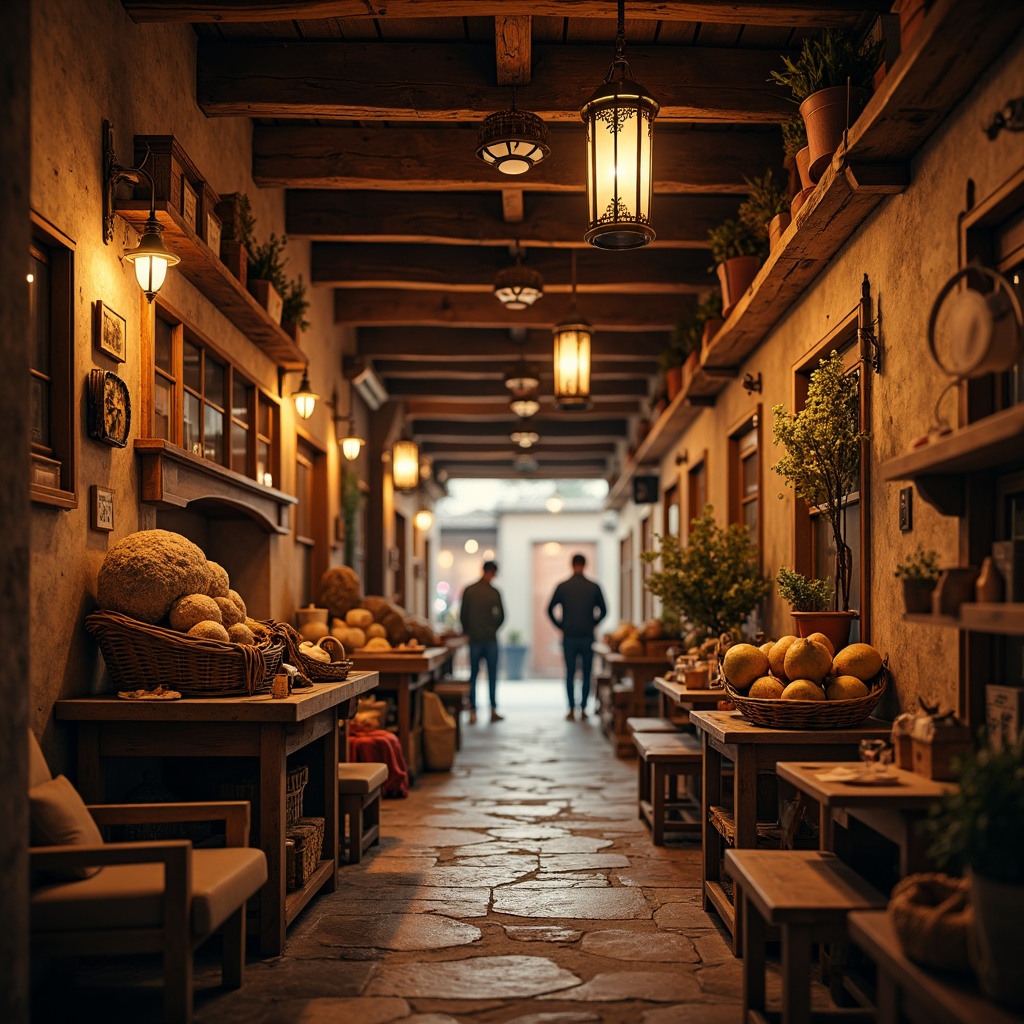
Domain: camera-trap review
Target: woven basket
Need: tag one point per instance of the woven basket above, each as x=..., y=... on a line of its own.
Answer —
x=140, y=655
x=303, y=844
x=294, y=789
x=335, y=671
x=810, y=714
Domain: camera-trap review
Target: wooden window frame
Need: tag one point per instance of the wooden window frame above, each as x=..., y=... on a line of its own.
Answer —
x=697, y=471
x=670, y=499
x=646, y=568
x=848, y=338
x=317, y=542
x=750, y=424
x=60, y=252
x=626, y=577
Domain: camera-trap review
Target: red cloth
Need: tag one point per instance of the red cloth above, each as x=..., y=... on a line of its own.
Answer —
x=381, y=746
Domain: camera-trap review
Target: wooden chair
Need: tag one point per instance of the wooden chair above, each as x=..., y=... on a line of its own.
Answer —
x=359, y=787
x=807, y=894
x=144, y=897
x=663, y=757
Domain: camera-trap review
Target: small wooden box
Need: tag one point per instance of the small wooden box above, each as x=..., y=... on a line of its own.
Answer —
x=235, y=257
x=174, y=175
x=210, y=229
x=934, y=760
x=189, y=203
x=1004, y=712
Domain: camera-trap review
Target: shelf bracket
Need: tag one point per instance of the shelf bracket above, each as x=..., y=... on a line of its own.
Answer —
x=867, y=340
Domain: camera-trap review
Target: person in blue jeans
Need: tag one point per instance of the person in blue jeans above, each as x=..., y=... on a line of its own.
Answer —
x=583, y=607
x=481, y=615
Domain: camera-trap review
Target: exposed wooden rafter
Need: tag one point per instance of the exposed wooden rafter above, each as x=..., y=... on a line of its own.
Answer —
x=512, y=48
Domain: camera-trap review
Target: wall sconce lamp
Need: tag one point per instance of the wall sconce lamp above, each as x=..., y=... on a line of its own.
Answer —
x=305, y=397
x=619, y=117
x=150, y=257
x=682, y=457
x=572, y=356
x=751, y=383
x=424, y=519
x=348, y=440
x=405, y=465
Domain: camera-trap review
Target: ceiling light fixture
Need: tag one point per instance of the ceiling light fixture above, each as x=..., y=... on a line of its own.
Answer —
x=572, y=356
x=405, y=465
x=348, y=440
x=512, y=140
x=518, y=287
x=524, y=408
x=522, y=380
x=619, y=117
x=525, y=438
x=524, y=462
x=423, y=520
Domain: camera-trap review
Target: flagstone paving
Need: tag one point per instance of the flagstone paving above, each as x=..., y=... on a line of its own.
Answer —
x=520, y=888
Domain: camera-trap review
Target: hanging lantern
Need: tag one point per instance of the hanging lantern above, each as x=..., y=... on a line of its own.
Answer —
x=351, y=446
x=619, y=119
x=423, y=520
x=571, y=356
x=522, y=380
x=512, y=140
x=518, y=287
x=524, y=408
x=524, y=438
x=405, y=465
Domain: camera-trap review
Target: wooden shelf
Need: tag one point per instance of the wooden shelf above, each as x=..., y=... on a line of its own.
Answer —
x=295, y=902
x=1006, y=619
x=203, y=268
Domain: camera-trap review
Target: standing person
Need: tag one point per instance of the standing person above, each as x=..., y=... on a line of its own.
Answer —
x=481, y=615
x=583, y=607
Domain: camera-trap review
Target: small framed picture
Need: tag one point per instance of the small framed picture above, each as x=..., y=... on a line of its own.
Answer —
x=111, y=332
x=102, y=508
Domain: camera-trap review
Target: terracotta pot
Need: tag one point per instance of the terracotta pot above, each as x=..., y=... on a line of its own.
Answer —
x=995, y=942
x=777, y=227
x=735, y=276
x=267, y=296
x=691, y=364
x=799, y=199
x=917, y=596
x=912, y=14
x=835, y=625
x=673, y=381
x=803, y=167
x=824, y=114
x=711, y=328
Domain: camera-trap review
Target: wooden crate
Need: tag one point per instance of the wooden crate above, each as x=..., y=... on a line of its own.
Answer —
x=303, y=844
x=175, y=177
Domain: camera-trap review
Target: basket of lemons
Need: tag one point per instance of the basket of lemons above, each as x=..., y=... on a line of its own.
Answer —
x=803, y=683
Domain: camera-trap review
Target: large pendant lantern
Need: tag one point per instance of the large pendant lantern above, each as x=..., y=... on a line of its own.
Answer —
x=405, y=465
x=572, y=356
x=619, y=118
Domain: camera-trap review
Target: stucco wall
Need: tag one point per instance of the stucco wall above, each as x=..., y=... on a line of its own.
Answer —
x=908, y=247
x=141, y=78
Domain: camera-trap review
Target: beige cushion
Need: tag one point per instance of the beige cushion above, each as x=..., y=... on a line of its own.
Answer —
x=361, y=776
x=38, y=770
x=60, y=818
x=130, y=895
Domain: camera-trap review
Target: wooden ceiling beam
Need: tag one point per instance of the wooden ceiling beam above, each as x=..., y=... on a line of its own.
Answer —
x=461, y=345
x=444, y=159
x=583, y=431
x=808, y=13
x=479, y=218
x=473, y=269
x=495, y=409
x=454, y=82
x=473, y=309
x=473, y=391
x=495, y=449
x=496, y=368
x=513, y=44
x=508, y=471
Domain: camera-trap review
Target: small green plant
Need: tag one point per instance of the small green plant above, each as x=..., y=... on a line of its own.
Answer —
x=764, y=200
x=828, y=62
x=295, y=306
x=922, y=566
x=804, y=595
x=514, y=637
x=709, y=308
x=822, y=460
x=244, y=222
x=734, y=238
x=794, y=135
x=981, y=825
x=267, y=262
x=713, y=582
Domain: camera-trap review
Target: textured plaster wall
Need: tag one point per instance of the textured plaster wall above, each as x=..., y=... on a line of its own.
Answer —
x=90, y=62
x=908, y=247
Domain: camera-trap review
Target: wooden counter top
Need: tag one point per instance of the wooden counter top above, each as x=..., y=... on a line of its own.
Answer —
x=392, y=662
x=732, y=727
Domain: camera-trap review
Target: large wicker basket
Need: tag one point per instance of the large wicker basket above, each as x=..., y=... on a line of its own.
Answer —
x=810, y=714
x=140, y=655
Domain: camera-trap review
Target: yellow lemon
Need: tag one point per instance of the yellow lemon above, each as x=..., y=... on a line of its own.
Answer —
x=806, y=659
x=820, y=638
x=803, y=689
x=860, y=660
x=777, y=657
x=767, y=686
x=743, y=664
x=845, y=688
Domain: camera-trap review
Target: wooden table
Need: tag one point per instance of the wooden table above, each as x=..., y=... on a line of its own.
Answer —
x=641, y=669
x=681, y=696
x=907, y=991
x=259, y=727
x=893, y=811
x=405, y=675
x=752, y=749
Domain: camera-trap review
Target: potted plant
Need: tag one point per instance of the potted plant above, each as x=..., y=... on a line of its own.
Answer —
x=979, y=828
x=294, y=307
x=709, y=316
x=808, y=600
x=818, y=78
x=794, y=145
x=671, y=363
x=267, y=282
x=918, y=573
x=821, y=463
x=766, y=209
x=738, y=253
x=713, y=583
x=515, y=652
x=237, y=223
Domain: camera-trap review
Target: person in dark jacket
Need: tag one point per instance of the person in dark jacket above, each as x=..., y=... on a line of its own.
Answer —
x=481, y=615
x=583, y=607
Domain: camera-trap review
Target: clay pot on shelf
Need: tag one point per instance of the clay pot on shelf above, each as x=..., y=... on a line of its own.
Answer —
x=267, y=296
x=799, y=199
x=917, y=596
x=825, y=117
x=803, y=167
x=711, y=328
x=776, y=229
x=673, y=381
x=835, y=625
x=736, y=276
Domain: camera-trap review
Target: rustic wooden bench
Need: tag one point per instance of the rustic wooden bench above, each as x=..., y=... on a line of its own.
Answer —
x=359, y=786
x=807, y=895
x=663, y=757
x=664, y=725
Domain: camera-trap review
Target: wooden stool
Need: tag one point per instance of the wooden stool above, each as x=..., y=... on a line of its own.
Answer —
x=807, y=895
x=454, y=694
x=651, y=725
x=663, y=758
x=359, y=785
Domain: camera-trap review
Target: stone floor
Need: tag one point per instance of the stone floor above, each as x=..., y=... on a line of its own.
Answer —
x=521, y=887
